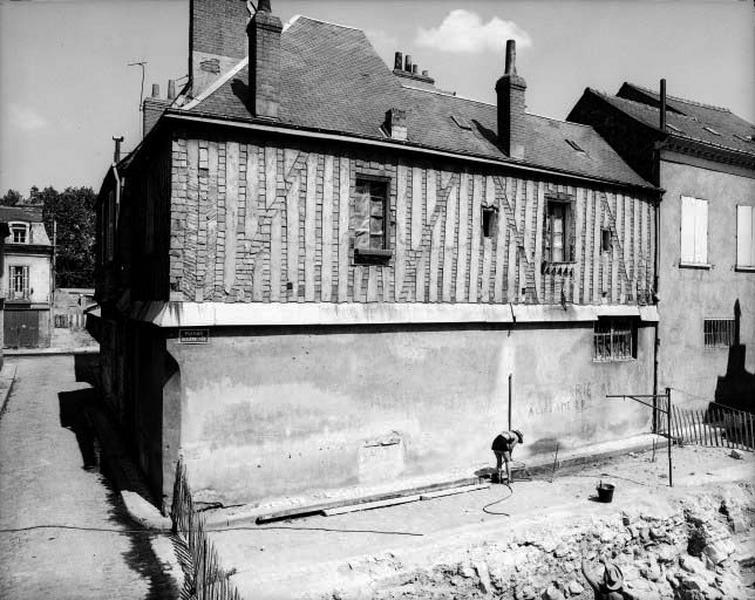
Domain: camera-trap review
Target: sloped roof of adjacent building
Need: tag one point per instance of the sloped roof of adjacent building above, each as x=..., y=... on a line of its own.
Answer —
x=712, y=125
x=332, y=80
x=26, y=214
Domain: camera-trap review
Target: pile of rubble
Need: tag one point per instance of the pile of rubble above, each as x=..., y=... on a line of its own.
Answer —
x=699, y=551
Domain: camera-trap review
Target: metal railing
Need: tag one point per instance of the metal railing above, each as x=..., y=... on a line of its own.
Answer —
x=717, y=425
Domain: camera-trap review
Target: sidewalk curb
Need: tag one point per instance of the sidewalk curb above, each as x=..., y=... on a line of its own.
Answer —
x=24, y=352
x=537, y=465
x=7, y=379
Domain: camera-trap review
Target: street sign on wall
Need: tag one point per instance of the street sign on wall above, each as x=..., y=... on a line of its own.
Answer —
x=193, y=336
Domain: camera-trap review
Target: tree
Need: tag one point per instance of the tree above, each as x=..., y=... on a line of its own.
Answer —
x=74, y=213
x=11, y=198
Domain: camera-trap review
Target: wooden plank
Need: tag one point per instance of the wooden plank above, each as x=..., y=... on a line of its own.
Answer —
x=417, y=222
x=310, y=223
x=636, y=249
x=252, y=192
x=585, y=260
x=326, y=265
x=276, y=223
x=358, y=276
x=474, y=255
x=192, y=216
x=462, y=250
x=597, y=217
x=501, y=246
x=449, y=244
x=435, y=241
x=231, y=215
x=401, y=228
x=372, y=277
x=329, y=512
x=512, y=294
x=344, y=189
x=615, y=286
x=211, y=221
x=540, y=208
x=292, y=229
x=627, y=247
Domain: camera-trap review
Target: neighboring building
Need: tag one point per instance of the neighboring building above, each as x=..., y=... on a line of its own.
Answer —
x=4, y=233
x=704, y=159
x=27, y=279
x=320, y=272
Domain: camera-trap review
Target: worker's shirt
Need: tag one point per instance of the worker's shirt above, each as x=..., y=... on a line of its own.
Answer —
x=504, y=441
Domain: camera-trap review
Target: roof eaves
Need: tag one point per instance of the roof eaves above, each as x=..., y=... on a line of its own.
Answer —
x=289, y=129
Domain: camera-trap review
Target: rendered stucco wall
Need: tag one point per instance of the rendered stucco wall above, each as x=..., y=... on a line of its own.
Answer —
x=688, y=296
x=273, y=412
x=39, y=274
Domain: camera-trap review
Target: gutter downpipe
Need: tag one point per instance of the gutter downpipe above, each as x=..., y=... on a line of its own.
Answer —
x=656, y=258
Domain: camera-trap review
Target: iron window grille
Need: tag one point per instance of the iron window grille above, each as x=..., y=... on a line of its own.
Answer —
x=614, y=339
x=718, y=333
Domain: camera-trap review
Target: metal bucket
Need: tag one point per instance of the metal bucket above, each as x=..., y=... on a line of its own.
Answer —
x=605, y=492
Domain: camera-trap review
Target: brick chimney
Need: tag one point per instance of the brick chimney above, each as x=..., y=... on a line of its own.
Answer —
x=217, y=41
x=395, y=123
x=153, y=108
x=264, y=32
x=510, y=92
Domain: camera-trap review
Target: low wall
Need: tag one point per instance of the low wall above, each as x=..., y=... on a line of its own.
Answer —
x=270, y=412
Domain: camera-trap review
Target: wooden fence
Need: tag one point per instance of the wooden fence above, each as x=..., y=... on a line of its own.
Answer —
x=716, y=425
x=208, y=581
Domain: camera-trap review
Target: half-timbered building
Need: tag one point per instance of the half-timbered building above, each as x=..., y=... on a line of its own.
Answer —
x=317, y=272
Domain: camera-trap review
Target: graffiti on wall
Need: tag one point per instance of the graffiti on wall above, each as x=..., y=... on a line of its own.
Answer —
x=576, y=401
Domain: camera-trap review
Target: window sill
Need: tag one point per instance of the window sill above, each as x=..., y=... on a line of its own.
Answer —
x=744, y=269
x=557, y=268
x=683, y=265
x=608, y=361
x=372, y=256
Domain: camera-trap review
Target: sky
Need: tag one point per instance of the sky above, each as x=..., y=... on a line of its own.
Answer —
x=66, y=87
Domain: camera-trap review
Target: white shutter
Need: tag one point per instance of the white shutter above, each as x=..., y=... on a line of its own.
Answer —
x=745, y=231
x=688, y=230
x=701, y=232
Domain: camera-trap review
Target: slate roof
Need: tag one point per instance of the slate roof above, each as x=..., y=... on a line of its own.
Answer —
x=19, y=213
x=332, y=80
x=686, y=119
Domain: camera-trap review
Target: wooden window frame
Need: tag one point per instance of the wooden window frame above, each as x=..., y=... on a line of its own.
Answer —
x=686, y=261
x=374, y=255
x=18, y=226
x=13, y=293
x=742, y=263
x=567, y=203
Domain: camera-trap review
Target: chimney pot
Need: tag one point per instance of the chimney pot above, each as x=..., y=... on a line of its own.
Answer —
x=414, y=69
x=662, y=110
x=117, y=150
x=408, y=63
x=264, y=6
x=171, y=89
x=510, y=57
x=155, y=90
x=398, y=61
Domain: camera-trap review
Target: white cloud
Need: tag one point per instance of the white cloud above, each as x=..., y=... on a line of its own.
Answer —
x=463, y=31
x=25, y=118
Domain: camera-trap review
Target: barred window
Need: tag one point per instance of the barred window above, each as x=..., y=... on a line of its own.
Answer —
x=718, y=333
x=614, y=339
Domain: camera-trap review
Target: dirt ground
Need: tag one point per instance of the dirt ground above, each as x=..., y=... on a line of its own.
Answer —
x=313, y=556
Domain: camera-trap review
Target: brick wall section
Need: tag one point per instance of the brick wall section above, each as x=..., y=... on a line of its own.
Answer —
x=510, y=93
x=283, y=226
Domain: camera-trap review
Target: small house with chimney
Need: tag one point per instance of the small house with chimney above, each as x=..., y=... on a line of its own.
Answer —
x=703, y=156
x=27, y=278
x=318, y=272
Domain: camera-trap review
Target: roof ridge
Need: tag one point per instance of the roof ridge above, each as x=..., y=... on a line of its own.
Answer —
x=560, y=120
x=295, y=18
x=447, y=94
x=683, y=100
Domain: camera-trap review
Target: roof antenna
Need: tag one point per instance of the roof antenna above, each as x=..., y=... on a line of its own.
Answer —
x=140, y=63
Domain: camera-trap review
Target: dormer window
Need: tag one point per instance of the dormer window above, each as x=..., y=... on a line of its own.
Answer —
x=19, y=233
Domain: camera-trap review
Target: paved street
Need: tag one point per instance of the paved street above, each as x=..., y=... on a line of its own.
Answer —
x=91, y=550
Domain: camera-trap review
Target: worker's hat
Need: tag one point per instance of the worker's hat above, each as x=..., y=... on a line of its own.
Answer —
x=519, y=435
x=613, y=578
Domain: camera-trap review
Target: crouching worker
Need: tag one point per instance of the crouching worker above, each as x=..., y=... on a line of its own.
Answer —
x=610, y=586
x=503, y=446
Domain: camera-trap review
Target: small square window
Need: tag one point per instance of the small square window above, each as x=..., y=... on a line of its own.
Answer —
x=20, y=233
x=718, y=333
x=614, y=339
x=489, y=221
x=605, y=240
x=370, y=220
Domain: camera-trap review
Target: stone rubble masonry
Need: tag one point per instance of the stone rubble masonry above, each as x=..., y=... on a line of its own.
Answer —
x=651, y=548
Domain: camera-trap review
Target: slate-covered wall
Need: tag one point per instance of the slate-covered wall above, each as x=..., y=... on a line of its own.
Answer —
x=254, y=221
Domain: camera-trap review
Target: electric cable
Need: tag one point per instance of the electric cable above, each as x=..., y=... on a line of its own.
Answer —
x=486, y=508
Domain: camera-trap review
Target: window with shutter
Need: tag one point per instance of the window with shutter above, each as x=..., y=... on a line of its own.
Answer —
x=745, y=237
x=694, y=232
